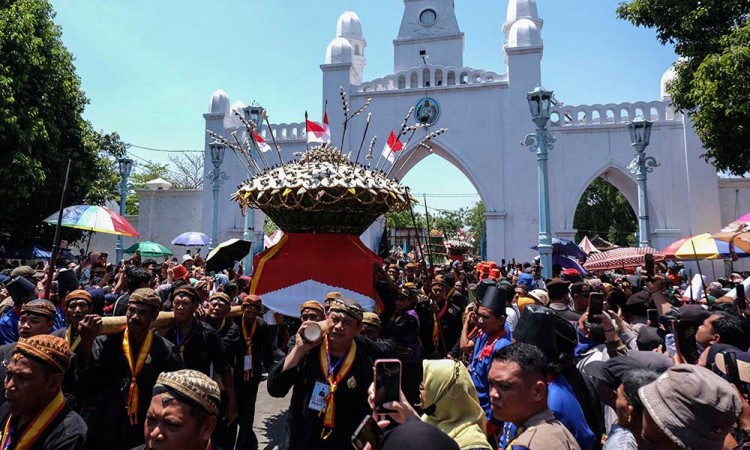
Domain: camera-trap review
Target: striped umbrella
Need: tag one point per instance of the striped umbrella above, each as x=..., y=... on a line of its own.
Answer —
x=94, y=218
x=620, y=258
x=701, y=246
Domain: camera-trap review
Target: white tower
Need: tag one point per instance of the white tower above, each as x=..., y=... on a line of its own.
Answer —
x=428, y=26
x=350, y=28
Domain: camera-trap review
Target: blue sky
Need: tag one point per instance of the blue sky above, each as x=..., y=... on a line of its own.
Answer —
x=149, y=67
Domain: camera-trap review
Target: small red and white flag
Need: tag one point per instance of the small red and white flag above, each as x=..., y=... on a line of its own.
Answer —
x=391, y=147
x=262, y=145
x=318, y=132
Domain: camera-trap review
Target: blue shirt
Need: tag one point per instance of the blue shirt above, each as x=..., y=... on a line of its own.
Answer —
x=564, y=405
x=480, y=370
x=9, y=327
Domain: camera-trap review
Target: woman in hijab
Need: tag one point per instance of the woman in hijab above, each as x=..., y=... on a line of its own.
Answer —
x=450, y=403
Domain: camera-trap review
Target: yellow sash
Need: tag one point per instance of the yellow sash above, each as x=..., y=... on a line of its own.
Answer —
x=73, y=343
x=248, y=335
x=135, y=368
x=333, y=382
x=35, y=428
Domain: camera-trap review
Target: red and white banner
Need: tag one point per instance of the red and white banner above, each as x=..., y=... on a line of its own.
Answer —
x=302, y=267
x=262, y=145
x=318, y=132
x=391, y=147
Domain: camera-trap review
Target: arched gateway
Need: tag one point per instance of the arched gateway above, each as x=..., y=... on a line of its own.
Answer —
x=487, y=116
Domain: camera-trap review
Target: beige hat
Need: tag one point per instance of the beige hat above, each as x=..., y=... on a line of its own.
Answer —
x=693, y=406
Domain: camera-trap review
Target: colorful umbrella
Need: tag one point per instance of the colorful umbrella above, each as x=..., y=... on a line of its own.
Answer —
x=620, y=258
x=225, y=254
x=702, y=246
x=738, y=243
x=738, y=226
x=191, y=239
x=94, y=218
x=149, y=249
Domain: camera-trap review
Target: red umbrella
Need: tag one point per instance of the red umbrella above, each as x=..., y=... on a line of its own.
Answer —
x=620, y=258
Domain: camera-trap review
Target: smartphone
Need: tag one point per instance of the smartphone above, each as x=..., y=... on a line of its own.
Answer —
x=387, y=383
x=653, y=318
x=649, y=266
x=730, y=364
x=596, y=307
x=684, y=337
x=739, y=288
x=368, y=432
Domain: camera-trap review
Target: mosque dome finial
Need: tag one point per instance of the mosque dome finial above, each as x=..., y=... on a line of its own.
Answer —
x=219, y=102
x=524, y=33
x=339, y=51
x=522, y=9
x=349, y=25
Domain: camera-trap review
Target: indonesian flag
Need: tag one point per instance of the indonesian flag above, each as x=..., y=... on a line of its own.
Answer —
x=262, y=146
x=317, y=132
x=392, y=146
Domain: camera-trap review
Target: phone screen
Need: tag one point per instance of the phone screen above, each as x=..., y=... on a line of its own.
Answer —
x=387, y=383
x=741, y=298
x=596, y=307
x=653, y=317
x=684, y=336
x=730, y=363
x=649, y=266
x=368, y=432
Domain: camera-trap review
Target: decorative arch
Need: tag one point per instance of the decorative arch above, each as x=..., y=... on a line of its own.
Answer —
x=620, y=178
x=413, y=155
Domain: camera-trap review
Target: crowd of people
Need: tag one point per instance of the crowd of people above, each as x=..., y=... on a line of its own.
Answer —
x=491, y=356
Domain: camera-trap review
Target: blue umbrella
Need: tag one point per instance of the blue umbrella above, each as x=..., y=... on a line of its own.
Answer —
x=566, y=262
x=564, y=247
x=191, y=239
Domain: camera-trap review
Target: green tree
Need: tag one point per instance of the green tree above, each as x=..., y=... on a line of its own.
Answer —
x=474, y=219
x=141, y=175
x=42, y=128
x=713, y=74
x=605, y=211
x=447, y=222
x=403, y=219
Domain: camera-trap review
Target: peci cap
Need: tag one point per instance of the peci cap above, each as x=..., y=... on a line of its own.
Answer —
x=191, y=387
x=580, y=288
x=482, y=287
x=348, y=307
x=220, y=296
x=20, y=289
x=312, y=304
x=558, y=288
x=542, y=327
x=47, y=349
x=40, y=307
x=693, y=406
x=145, y=296
x=613, y=370
x=370, y=318
x=78, y=294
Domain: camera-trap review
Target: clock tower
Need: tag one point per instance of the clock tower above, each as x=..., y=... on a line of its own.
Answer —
x=428, y=27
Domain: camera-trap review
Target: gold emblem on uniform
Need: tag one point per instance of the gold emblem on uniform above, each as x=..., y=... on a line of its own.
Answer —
x=351, y=383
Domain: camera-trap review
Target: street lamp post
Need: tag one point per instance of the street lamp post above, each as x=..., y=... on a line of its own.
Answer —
x=124, y=166
x=540, y=141
x=641, y=166
x=217, y=178
x=254, y=114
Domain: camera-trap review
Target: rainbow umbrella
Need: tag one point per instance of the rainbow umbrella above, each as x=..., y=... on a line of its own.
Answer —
x=701, y=246
x=94, y=218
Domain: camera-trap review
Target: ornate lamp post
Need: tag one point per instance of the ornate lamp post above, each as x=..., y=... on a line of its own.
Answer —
x=124, y=166
x=641, y=166
x=540, y=104
x=217, y=178
x=254, y=114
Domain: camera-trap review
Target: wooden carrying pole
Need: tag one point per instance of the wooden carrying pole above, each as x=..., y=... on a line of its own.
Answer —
x=117, y=324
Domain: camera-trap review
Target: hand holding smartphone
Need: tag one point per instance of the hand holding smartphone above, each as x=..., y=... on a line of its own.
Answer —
x=650, y=271
x=596, y=307
x=387, y=383
x=368, y=432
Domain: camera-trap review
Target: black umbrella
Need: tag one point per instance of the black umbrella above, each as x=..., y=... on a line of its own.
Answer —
x=225, y=254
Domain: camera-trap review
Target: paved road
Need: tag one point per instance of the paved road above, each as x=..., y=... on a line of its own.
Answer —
x=270, y=419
